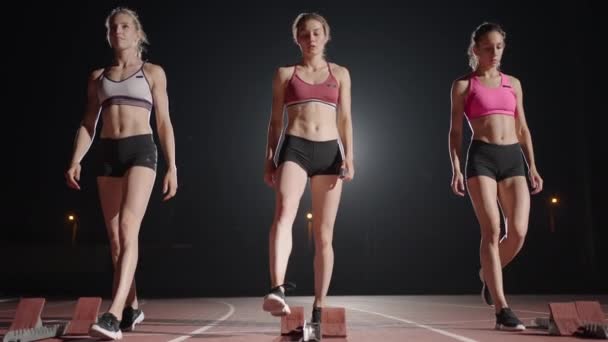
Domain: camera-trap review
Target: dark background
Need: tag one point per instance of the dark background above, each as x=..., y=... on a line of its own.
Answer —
x=400, y=230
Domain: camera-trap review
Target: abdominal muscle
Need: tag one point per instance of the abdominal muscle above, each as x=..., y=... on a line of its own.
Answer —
x=121, y=121
x=313, y=121
x=495, y=129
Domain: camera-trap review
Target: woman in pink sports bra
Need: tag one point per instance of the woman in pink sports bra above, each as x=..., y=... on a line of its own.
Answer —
x=123, y=95
x=495, y=169
x=315, y=143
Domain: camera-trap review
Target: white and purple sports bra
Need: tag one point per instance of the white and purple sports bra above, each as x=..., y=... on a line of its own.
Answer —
x=132, y=91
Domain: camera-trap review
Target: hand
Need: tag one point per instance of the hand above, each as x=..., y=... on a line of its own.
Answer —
x=535, y=181
x=72, y=176
x=458, y=183
x=170, y=184
x=269, y=175
x=349, y=170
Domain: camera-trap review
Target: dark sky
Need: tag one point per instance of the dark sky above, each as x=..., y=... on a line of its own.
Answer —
x=399, y=228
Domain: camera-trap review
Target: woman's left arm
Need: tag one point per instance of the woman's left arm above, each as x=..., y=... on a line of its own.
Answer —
x=525, y=138
x=345, y=123
x=164, y=127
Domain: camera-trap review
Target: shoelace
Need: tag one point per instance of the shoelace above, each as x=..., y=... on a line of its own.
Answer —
x=287, y=286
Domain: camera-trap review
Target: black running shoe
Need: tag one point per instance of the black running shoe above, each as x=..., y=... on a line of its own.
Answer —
x=131, y=317
x=274, y=301
x=311, y=332
x=108, y=327
x=506, y=320
x=316, y=315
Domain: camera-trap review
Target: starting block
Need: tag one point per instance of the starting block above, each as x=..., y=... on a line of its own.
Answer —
x=27, y=324
x=580, y=318
x=565, y=318
x=333, y=324
x=85, y=314
x=590, y=312
x=593, y=320
x=28, y=314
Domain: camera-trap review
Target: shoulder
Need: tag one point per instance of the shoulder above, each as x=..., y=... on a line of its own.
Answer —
x=514, y=81
x=95, y=74
x=154, y=70
x=461, y=84
x=339, y=70
x=284, y=73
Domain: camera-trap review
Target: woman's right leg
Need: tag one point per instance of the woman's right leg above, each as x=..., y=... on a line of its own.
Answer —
x=483, y=192
x=110, y=195
x=290, y=185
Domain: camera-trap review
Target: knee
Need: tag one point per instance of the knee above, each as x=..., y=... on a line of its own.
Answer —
x=128, y=237
x=490, y=235
x=115, y=250
x=286, y=212
x=324, y=242
x=517, y=234
x=115, y=242
x=115, y=247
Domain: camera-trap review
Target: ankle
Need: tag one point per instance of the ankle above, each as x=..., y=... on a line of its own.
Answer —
x=498, y=308
x=117, y=315
x=316, y=314
x=278, y=288
x=283, y=287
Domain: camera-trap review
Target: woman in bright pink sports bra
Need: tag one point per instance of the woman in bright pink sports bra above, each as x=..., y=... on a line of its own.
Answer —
x=317, y=144
x=495, y=167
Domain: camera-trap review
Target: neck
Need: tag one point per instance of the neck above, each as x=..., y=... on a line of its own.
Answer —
x=127, y=57
x=487, y=71
x=314, y=62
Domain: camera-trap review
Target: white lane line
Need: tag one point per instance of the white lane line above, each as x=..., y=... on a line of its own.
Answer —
x=208, y=326
x=423, y=326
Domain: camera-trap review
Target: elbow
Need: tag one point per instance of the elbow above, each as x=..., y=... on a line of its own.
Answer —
x=164, y=126
x=454, y=136
x=345, y=121
x=523, y=135
x=276, y=125
x=88, y=126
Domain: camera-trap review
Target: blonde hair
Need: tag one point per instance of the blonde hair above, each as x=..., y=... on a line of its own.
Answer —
x=476, y=36
x=302, y=18
x=138, y=26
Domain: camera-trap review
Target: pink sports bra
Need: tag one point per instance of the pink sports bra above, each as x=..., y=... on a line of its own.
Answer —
x=482, y=100
x=298, y=91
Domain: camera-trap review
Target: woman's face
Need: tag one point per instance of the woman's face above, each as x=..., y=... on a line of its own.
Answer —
x=123, y=32
x=489, y=49
x=312, y=37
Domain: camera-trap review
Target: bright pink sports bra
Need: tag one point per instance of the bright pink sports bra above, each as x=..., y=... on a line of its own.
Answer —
x=482, y=100
x=298, y=91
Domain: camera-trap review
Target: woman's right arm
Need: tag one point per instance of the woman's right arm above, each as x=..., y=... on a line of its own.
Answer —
x=85, y=132
x=275, y=125
x=459, y=88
